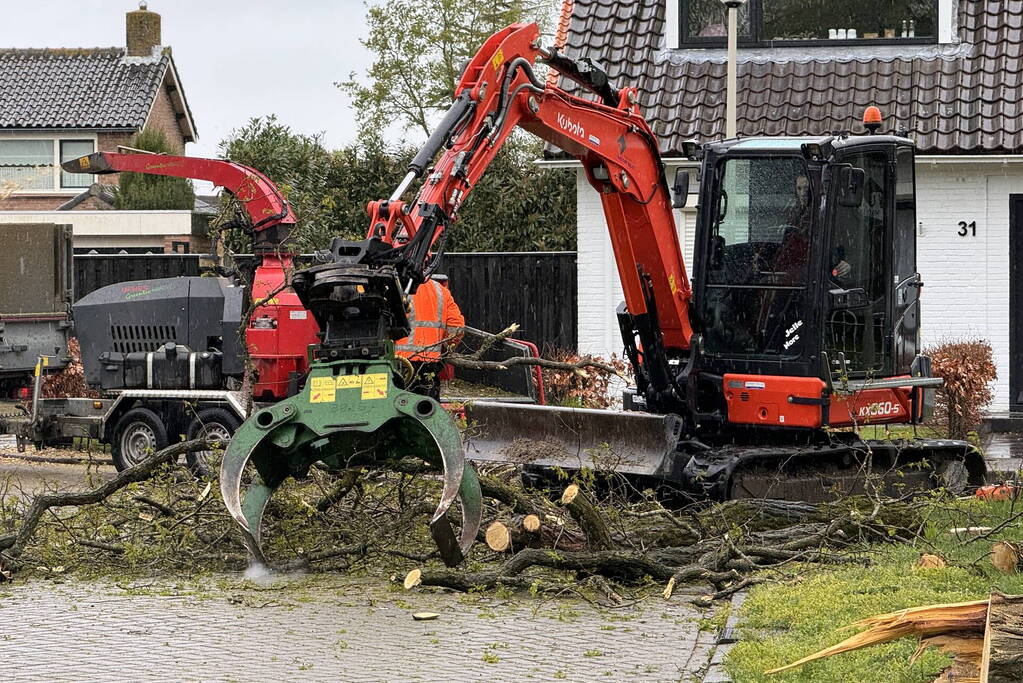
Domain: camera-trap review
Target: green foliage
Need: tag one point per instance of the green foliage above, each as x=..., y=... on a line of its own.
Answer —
x=144, y=192
x=517, y=206
x=420, y=47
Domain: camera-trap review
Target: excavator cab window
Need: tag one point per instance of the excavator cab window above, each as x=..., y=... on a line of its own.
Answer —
x=759, y=256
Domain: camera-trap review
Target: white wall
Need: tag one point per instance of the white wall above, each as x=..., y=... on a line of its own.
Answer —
x=966, y=279
x=111, y=228
x=599, y=288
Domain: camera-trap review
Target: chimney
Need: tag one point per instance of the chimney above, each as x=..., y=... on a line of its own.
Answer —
x=142, y=31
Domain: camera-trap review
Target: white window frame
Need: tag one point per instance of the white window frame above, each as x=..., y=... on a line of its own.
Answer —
x=56, y=138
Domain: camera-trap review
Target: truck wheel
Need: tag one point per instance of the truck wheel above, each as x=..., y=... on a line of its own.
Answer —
x=138, y=434
x=212, y=423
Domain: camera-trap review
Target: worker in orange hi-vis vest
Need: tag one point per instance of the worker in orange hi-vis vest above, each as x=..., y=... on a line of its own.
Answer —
x=436, y=323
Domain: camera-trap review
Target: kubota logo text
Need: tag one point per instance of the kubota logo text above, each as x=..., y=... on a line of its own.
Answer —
x=571, y=126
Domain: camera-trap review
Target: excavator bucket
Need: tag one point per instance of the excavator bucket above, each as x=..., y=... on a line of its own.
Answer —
x=349, y=414
x=572, y=438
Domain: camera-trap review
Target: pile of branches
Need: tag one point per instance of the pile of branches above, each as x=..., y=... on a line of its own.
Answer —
x=728, y=545
x=156, y=517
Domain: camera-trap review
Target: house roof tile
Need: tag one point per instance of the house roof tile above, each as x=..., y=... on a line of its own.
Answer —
x=958, y=99
x=95, y=88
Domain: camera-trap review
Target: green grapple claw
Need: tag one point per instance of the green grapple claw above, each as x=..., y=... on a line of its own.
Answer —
x=350, y=413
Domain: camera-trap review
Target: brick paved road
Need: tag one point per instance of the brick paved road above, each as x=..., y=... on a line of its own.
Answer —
x=324, y=627
x=334, y=629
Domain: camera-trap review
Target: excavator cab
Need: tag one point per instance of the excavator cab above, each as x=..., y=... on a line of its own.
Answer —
x=805, y=263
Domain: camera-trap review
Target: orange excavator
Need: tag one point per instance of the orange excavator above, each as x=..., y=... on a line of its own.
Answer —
x=801, y=323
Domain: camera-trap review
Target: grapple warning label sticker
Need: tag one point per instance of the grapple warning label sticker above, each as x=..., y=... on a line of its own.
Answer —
x=321, y=390
x=374, y=386
x=349, y=381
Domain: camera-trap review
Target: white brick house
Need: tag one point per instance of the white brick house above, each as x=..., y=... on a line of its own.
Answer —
x=956, y=87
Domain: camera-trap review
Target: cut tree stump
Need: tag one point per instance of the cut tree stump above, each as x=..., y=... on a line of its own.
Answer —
x=589, y=519
x=1002, y=659
x=1007, y=557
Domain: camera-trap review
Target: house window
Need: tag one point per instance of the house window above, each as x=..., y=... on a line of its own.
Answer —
x=34, y=163
x=771, y=23
x=27, y=164
x=72, y=149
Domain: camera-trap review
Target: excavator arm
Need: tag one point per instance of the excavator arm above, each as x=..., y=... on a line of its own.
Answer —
x=498, y=92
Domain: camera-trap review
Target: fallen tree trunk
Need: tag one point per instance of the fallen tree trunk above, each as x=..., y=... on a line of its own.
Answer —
x=919, y=621
x=588, y=517
x=984, y=636
x=1002, y=659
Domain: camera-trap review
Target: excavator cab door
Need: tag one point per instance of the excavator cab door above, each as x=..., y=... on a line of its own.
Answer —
x=872, y=302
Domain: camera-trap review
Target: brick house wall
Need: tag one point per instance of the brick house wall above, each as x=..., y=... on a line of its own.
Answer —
x=966, y=279
x=162, y=117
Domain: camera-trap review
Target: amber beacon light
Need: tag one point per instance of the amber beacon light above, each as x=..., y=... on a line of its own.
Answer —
x=872, y=119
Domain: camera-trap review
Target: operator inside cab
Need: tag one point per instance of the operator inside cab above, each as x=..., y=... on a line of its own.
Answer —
x=437, y=325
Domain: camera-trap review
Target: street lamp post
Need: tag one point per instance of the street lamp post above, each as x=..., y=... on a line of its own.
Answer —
x=731, y=87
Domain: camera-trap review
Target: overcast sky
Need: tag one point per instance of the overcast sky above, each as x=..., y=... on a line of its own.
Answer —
x=236, y=59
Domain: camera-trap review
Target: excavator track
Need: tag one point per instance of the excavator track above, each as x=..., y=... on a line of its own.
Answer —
x=829, y=472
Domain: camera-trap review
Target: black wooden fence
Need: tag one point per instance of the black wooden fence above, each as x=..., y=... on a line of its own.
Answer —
x=537, y=290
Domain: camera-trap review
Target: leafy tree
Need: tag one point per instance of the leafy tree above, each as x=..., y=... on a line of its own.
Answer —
x=420, y=47
x=298, y=164
x=516, y=206
x=143, y=192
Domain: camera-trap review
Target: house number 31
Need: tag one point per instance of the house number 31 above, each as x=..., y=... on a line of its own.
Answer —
x=967, y=229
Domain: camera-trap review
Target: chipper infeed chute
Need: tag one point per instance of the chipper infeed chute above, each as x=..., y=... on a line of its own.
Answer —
x=353, y=410
x=573, y=438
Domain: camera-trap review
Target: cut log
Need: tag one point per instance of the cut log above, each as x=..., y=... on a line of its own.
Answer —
x=588, y=517
x=929, y=561
x=531, y=523
x=1002, y=659
x=413, y=579
x=498, y=537
x=1007, y=557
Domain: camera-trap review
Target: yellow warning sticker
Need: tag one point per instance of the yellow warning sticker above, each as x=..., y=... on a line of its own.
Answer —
x=349, y=381
x=498, y=59
x=374, y=386
x=321, y=390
